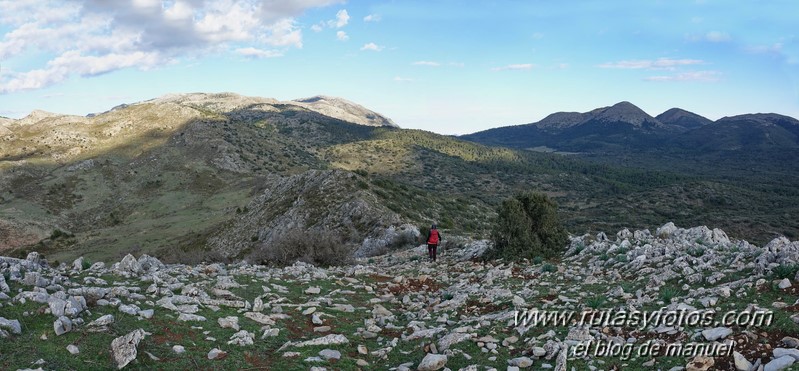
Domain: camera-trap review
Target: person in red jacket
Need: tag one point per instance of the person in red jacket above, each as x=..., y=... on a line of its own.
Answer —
x=433, y=238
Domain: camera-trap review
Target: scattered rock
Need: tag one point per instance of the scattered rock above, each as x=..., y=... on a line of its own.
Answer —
x=780, y=363
x=432, y=362
x=741, y=363
x=520, y=362
x=216, y=354
x=12, y=325
x=700, y=363
x=62, y=325
x=123, y=348
x=716, y=333
x=229, y=322
x=72, y=349
x=328, y=354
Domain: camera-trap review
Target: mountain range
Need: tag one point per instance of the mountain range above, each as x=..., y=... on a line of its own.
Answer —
x=188, y=176
x=625, y=127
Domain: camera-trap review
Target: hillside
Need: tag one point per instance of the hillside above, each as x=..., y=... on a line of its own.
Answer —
x=200, y=176
x=398, y=311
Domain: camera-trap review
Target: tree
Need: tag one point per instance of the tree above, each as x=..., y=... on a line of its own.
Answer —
x=528, y=226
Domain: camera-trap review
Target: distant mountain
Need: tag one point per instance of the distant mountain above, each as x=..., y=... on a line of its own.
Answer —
x=623, y=127
x=620, y=126
x=744, y=132
x=683, y=119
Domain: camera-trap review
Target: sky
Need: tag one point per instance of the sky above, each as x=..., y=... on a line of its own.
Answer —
x=452, y=67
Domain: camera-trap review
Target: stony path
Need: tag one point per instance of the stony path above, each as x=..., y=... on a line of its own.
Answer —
x=399, y=311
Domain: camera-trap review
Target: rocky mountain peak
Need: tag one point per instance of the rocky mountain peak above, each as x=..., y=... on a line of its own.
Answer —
x=625, y=112
x=561, y=120
x=344, y=110
x=682, y=118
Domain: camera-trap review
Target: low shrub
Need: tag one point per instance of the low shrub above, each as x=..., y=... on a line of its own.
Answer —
x=321, y=248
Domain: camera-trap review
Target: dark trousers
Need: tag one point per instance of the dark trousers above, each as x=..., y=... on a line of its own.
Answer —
x=431, y=251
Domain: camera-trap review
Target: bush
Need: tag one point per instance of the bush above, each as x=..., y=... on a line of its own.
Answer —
x=321, y=248
x=527, y=226
x=785, y=271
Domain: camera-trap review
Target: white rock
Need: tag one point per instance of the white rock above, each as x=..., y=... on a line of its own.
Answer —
x=260, y=318
x=521, y=362
x=12, y=325
x=313, y=290
x=325, y=340
x=190, y=317
x=229, y=322
x=178, y=349
x=102, y=321
x=242, y=338
x=124, y=347
x=741, y=363
x=72, y=349
x=329, y=354
x=62, y=325
x=784, y=284
x=779, y=364
x=432, y=362
x=780, y=352
x=717, y=333
x=216, y=354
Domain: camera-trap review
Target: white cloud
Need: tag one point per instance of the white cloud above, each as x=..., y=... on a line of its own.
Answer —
x=515, y=67
x=342, y=18
x=658, y=64
x=457, y=64
x=88, y=37
x=372, y=47
x=701, y=76
x=259, y=53
x=342, y=36
x=402, y=79
x=717, y=37
x=316, y=28
x=426, y=63
x=372, y=18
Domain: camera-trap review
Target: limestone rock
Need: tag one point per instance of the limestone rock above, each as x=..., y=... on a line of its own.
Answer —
x=12, y=325
x=741, y=363
x=62, y=325
x=716, y=333
x=216, y=353
x=520, y=362
x=779, y=364
x=124, y=347
x=700, y=363
x=432, y=362
x=328, y=354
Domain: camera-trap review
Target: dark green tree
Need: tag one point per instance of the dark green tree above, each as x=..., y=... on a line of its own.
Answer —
x=528, y=226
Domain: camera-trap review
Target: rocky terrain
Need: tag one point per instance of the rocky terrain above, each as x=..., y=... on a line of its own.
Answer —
x=399, y=311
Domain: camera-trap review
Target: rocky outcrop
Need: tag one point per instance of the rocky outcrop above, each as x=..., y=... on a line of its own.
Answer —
x=316, y=200
x=344, y=110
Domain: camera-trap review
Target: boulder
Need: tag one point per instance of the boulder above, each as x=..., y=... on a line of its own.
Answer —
x=124, y=347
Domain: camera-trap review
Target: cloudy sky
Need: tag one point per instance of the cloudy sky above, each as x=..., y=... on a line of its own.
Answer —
x=441, y=65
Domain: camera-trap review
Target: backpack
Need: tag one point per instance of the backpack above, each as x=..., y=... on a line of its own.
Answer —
x=433, y=240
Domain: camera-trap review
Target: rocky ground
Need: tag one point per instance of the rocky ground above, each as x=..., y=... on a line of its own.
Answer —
x=399, y=311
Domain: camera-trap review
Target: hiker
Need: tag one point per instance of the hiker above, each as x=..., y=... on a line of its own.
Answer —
x=433, y=238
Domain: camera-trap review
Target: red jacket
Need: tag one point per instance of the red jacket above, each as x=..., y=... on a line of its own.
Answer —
x=433, y=238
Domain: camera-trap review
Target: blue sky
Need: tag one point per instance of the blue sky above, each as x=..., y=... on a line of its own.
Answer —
x=451, y=67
